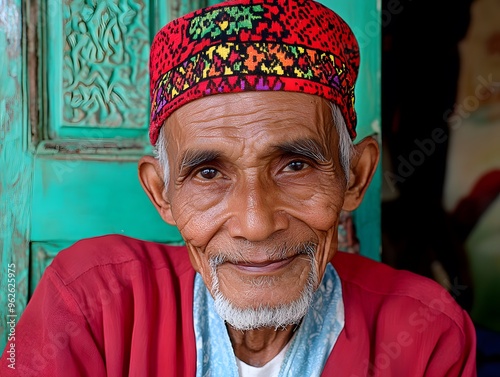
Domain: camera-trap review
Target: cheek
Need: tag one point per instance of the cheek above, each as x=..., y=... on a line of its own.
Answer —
x=198, y=215
x=199, y=261
x=320, y=211
x=317, y=205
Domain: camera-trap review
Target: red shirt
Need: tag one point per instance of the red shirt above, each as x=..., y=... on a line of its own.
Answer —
x=117, y=306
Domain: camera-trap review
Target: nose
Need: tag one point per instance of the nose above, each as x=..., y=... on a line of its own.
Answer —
x=256, y=211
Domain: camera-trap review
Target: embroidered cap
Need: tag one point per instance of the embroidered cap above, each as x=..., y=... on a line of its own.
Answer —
x=251, y=45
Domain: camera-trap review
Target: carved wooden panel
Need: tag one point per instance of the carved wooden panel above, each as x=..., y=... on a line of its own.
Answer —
x=105, y=63
x=97, y=69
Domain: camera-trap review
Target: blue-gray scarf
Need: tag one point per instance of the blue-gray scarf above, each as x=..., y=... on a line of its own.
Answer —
x=311, y=345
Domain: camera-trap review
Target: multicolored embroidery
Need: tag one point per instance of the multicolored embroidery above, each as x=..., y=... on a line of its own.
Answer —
x=297, y=45
x=226, y=21
x=250, y=60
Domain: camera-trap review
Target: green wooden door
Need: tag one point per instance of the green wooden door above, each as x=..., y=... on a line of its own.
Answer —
x=74, y=117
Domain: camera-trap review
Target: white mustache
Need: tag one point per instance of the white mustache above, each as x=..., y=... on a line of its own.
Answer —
x=275, y=253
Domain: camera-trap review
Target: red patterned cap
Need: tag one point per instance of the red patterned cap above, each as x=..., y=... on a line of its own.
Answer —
x=248, y=45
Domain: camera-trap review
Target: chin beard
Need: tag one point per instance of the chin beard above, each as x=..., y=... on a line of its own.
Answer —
x=276, y=317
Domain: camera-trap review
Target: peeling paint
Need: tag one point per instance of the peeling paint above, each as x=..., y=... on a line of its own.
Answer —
x=10, y=25
x=15, y=162
x=10, y=38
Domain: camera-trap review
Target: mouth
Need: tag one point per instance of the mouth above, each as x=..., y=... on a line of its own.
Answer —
x=264, y=267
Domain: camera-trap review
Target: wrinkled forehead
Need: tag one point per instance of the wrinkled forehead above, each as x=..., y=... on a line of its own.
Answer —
x=266, y=116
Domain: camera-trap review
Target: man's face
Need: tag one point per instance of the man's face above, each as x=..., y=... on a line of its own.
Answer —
x=255, y=184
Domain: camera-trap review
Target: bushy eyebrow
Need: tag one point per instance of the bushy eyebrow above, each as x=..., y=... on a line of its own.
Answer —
x=309, y=148
x=193, y=158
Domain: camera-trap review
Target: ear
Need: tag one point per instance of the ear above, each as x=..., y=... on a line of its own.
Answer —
x=363, y=166
x=151, y=178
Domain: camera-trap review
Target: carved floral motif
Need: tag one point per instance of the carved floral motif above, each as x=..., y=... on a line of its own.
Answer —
x=105, y=68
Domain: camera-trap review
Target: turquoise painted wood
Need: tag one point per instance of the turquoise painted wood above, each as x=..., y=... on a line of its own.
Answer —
x=74, y=123
x=67, y=207
x=16, y=163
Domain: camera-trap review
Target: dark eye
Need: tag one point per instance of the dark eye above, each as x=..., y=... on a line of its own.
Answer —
x=208, y=173
x=296, y=166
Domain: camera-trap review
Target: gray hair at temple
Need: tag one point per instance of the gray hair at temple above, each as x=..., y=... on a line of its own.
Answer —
x=346, y=146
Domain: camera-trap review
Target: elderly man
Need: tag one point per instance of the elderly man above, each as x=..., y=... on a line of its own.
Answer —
x=253, y=120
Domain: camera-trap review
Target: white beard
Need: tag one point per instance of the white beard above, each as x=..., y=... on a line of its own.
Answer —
x=266, y=316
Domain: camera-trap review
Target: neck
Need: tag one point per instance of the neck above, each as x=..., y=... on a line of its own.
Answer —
x=258, y=347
